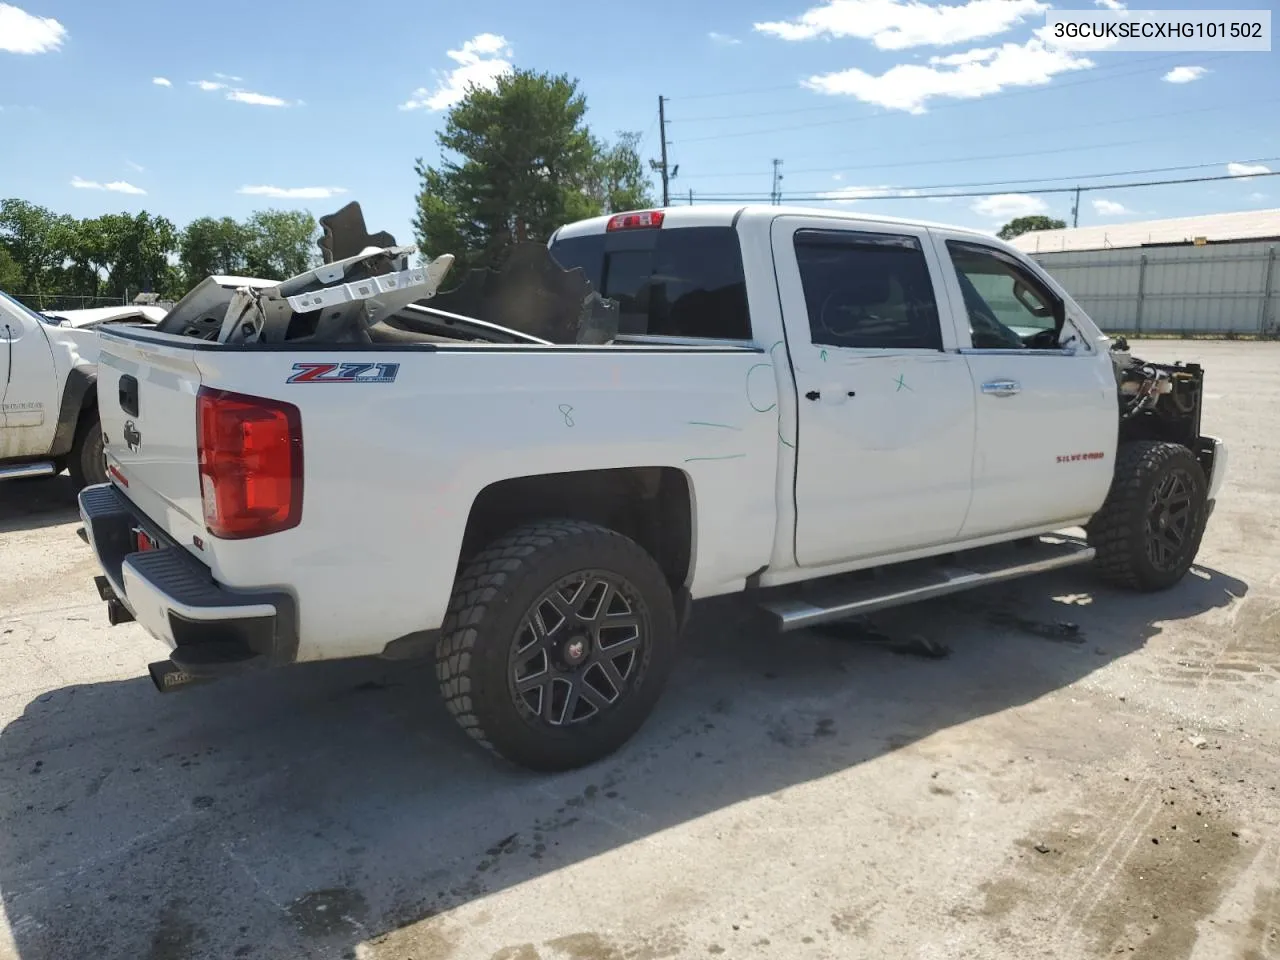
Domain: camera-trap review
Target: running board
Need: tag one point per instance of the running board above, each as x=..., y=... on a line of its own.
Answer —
x=851, y=595
x=22, y=471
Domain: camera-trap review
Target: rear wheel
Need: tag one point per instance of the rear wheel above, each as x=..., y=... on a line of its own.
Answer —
x=559, y=639
x=1148, y=532
x=87, y=462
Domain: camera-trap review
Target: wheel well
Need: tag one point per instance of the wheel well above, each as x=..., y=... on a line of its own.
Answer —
x=79, y=401
x=651, y=505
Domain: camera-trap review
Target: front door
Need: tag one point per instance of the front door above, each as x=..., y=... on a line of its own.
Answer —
x=1047, y=415
x=28, y=384
x=884, y=444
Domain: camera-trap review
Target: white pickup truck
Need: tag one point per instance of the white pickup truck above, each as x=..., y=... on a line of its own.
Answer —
x=48, y=404
x=793, y=401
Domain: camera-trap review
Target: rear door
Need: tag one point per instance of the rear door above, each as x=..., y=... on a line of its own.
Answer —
x=886, y=406
x=1046, y=414
x=147, y=386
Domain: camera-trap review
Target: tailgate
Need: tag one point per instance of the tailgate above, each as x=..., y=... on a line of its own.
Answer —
x=147, y=405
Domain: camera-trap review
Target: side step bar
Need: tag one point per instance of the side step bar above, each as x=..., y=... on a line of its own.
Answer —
x=850, y=595
x=21, y=471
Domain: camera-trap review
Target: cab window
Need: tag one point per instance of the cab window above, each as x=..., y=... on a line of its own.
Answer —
x=678, y=282
x=1008, y=307
x=867, y=290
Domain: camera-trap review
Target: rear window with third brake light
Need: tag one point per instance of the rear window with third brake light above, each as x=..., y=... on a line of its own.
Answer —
x=669, y=282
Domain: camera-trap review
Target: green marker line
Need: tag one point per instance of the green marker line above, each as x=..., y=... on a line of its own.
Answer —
x=705, y=423
x=731, y=456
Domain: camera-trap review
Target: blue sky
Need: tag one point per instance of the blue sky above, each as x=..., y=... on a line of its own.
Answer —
x=229, y=107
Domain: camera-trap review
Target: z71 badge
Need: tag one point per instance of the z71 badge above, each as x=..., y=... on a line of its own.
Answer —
x=344, y=373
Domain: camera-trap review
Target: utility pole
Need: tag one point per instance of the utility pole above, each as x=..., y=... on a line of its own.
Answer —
x=691, y=196
x=1075, y=210
x=661, y=165
x=775, y=195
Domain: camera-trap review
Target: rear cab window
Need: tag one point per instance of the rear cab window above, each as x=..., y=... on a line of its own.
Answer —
x=679, y=282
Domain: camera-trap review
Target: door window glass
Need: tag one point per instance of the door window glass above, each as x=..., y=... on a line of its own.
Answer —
x=867, y=290
x=1008, y=308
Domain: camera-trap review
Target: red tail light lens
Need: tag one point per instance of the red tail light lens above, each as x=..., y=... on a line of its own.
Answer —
x=647, y=220
x=250, y=452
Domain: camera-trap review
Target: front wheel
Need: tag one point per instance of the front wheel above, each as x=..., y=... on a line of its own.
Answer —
x=1148, y=532
x=559, y=639
x=87, y=462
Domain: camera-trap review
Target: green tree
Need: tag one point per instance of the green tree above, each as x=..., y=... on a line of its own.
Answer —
x=210, y=246
x=135, y=250
x=519, y=161
x=33, y=236
x=10, y=275
x=618, y=178
x=1021, y=225
x=281, y=243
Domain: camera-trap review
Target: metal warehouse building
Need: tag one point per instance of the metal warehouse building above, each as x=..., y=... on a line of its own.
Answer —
x=1208, y=275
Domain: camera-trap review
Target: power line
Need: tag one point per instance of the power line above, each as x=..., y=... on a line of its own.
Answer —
x=949, y=140
x=947, y=160
x=647, y=134
x=843, y=106
x=942, y=106
x=1074, y=178
x=735, y=93
x=834, y=197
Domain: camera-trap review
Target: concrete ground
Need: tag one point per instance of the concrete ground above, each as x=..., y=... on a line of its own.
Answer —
x=1039, y=793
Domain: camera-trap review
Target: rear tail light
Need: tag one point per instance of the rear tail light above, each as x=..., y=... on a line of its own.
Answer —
x=635, y=221
x=250, y=453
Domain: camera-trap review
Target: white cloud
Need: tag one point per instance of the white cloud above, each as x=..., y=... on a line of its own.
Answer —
x=1110, y=4
x=723, y=39
x=20, y=32
x=909, y=86
x=980, y=55
x=481, y=61
x=292, y=193
x=115, y=186
x=229, y=78
x=162, y=81
x=1009, y=205
x=241, y=96
x=1184, y=74
x=900, y=24
x=1256, y=197
x=854, y=194
x=257, y=99
x=1109, y=208
x=137, y=167
x=1247, y=170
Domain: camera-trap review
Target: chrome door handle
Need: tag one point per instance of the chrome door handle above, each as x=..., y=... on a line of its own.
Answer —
x=1001, y=388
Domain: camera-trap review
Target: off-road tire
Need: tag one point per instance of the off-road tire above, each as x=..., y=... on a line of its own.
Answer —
x=492, y=597
x=86, y=463
x=1119, y=531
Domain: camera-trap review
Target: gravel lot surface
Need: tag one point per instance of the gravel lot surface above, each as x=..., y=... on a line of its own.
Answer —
x=1038, y=793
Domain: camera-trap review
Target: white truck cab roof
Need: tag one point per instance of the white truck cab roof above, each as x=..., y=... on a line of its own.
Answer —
x=725, y=215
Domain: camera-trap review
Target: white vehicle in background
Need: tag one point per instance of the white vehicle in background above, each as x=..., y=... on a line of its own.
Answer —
x=828, y=412
x=48, y=389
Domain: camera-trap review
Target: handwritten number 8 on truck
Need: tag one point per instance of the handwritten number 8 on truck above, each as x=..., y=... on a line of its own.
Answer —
x=443, y=509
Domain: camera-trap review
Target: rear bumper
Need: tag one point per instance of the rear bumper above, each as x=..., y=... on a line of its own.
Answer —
x=212, y=629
